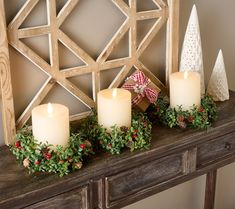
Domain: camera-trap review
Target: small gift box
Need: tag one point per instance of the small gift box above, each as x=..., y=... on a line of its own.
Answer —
x=143, y=90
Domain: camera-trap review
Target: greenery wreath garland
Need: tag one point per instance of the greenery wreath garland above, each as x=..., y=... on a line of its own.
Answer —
x=39, y=157
x=201, y=117
x=138, y=136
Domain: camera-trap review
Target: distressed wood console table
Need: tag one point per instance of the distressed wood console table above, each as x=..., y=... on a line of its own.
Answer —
x=109, y=181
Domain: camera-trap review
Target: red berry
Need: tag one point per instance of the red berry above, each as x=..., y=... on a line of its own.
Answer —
x=190, y=118
x=134, y=136
x=82, y=146
x=201, y=109
x=48, y=156
x=37, y=162
x=136, y=131
x=17, y=144
x=110, y=145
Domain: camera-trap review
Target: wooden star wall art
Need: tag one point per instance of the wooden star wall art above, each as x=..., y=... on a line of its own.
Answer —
x=167, y=12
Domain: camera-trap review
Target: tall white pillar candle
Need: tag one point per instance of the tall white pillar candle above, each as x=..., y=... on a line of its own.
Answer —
x=50, y=123
x=114, y=107
x=185, y=90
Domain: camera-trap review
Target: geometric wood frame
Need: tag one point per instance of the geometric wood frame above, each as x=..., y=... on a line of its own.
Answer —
x=168, y=13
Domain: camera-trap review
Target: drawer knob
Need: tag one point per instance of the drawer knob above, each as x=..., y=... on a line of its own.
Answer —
x=228, y=146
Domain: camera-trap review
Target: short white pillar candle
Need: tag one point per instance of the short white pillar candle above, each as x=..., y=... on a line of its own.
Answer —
x=114, y=108
x=50, y=123
x=185, y=90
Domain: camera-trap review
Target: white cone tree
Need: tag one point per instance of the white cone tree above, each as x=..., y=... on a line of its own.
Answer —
x=191, y=55
x=218, y=83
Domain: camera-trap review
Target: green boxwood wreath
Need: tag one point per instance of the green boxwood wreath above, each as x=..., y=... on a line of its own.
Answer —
x=39, y=157
x=198, y=117
x=138, y=136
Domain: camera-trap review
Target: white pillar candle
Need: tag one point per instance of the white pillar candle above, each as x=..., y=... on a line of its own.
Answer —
x=185, y=90
x=50, y=123
x=114, y=107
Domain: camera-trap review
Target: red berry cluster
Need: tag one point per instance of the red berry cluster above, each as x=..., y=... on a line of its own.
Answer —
x=190, y=118
x=47, y=155
x=201, y=109
x=135, y=134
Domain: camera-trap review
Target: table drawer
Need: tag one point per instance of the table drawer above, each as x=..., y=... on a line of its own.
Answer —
x=77, y=198
x=128, y=183
x=216, y=148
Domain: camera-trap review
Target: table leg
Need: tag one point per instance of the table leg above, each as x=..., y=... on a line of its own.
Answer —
x=210, y=190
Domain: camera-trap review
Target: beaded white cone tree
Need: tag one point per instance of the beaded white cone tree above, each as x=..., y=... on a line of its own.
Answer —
x=218, y=84
x=191, y=55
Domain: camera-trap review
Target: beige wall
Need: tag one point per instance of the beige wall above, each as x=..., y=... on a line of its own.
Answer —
x=217, y=29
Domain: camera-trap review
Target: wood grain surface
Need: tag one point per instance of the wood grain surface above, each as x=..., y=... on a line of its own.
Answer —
x=210, y=189
x=8, y=113
x=108, y=177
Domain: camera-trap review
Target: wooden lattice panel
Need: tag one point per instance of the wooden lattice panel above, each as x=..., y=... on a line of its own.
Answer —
x=166, y=12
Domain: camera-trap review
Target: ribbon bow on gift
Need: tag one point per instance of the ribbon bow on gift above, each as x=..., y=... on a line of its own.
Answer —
x=140, y=87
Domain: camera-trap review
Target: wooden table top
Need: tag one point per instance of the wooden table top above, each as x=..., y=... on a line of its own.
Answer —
x=15, y=182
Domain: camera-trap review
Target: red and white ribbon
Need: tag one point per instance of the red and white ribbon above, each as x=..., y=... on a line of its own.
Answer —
x=141, y=88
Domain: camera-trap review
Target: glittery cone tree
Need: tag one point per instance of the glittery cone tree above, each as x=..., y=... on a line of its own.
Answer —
x=218, y=84
x=191, y=55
